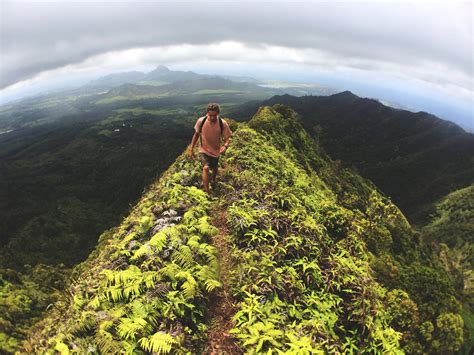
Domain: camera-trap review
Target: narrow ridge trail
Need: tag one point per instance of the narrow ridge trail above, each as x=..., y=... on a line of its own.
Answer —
x=221, y=308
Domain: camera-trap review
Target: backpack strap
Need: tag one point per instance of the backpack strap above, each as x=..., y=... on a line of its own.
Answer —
x=202, y=124
x=200, y=130
x=221, y=124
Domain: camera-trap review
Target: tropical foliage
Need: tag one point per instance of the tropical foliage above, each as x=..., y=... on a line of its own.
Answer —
x=321, y=262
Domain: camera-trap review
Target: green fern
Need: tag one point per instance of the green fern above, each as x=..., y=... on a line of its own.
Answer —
x=129, y=238
x=211, y=285
x=301, y=345
x=128, y=328
x=115, y=293
x=86, y=323
x=170, y=271
x=261, y=334
x=190, y=286
x=193, y=242
x=105, y=340
x=145, y=223
x=79, y=301
x=205, y=228
x=159, y=342
x=121, y=276
x=210, y=252
x=183, y=257
x=159, y=240
x=132, y=288
x=129, y=348
x=150, y=278
x=95, y=302
x=207, y=275
x=145, y=249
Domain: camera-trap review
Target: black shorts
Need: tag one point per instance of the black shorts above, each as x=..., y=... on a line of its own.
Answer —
x=208, y=160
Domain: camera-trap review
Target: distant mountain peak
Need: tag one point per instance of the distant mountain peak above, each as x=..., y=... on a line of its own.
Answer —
x=161, y=69
x=346, y=93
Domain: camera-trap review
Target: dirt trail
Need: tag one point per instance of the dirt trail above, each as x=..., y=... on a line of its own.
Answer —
x=221, y=309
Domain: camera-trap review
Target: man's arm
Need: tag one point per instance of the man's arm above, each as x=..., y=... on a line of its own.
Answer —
x=193, y=143
x=226, y=144
x=227, y=135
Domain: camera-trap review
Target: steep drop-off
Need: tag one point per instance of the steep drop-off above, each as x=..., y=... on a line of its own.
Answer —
x=293, y=253
x=415, y=158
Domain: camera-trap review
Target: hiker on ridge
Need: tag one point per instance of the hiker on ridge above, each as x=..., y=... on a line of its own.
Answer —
x=210, y=128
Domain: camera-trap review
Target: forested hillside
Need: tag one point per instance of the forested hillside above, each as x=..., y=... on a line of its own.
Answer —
x=293, y=253
x=415, y=158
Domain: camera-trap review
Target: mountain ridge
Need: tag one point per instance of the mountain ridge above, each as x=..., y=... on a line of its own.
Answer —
x=387, y=146
x=147, y=285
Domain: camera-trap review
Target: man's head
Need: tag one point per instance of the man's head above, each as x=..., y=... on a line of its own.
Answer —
x=212, y=111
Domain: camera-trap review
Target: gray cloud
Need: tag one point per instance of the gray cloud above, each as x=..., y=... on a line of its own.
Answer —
x=42, y=36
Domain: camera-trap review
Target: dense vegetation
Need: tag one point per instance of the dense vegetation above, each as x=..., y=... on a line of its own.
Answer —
x=321, y=261
x=450, y=234
x=77, y=161
x=23, y=299
x=57, y=190
x=415, y=158
x=71, y=165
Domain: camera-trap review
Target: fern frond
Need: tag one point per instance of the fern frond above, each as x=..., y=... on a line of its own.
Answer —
x=137, y=309
x=169, y=271
x=115, y=293
x=183, y=256
x=79, y=301
x=95, y=302
x=211, y=285
x=205, y=228
x=210, y=252
x=193, y=242
x=109, y=276
x=150, y=278
x=174, y=233
x=132, y=288
x=106, y=342
x=129, y=347
x=145, y=249
x=159, y=342
x=207, y=273
x=190, y=286
x=128, y=328
x=159, y=240
x=124, y=276
x=116, y=312
x=85, y=323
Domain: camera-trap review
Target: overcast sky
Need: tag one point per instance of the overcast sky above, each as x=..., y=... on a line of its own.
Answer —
x=424, y=47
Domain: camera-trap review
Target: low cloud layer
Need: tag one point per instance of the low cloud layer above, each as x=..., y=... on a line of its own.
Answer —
x=430, y=42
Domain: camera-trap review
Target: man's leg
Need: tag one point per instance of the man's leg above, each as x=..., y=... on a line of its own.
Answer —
x=205, y=178
x=213, y=179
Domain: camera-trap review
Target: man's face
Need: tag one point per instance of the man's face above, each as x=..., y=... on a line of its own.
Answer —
x=212, y=115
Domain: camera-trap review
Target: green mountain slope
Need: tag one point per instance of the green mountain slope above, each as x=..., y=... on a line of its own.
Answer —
x=415, y=158
x=293, y=254
x=450, y=233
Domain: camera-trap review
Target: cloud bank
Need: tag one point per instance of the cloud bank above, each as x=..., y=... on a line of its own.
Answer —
x=38, y=36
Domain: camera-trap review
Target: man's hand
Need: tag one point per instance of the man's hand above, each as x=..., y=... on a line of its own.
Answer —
x=191, y=153
x=223, y=149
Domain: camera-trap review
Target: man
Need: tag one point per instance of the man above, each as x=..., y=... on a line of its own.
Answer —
x=210, y=147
